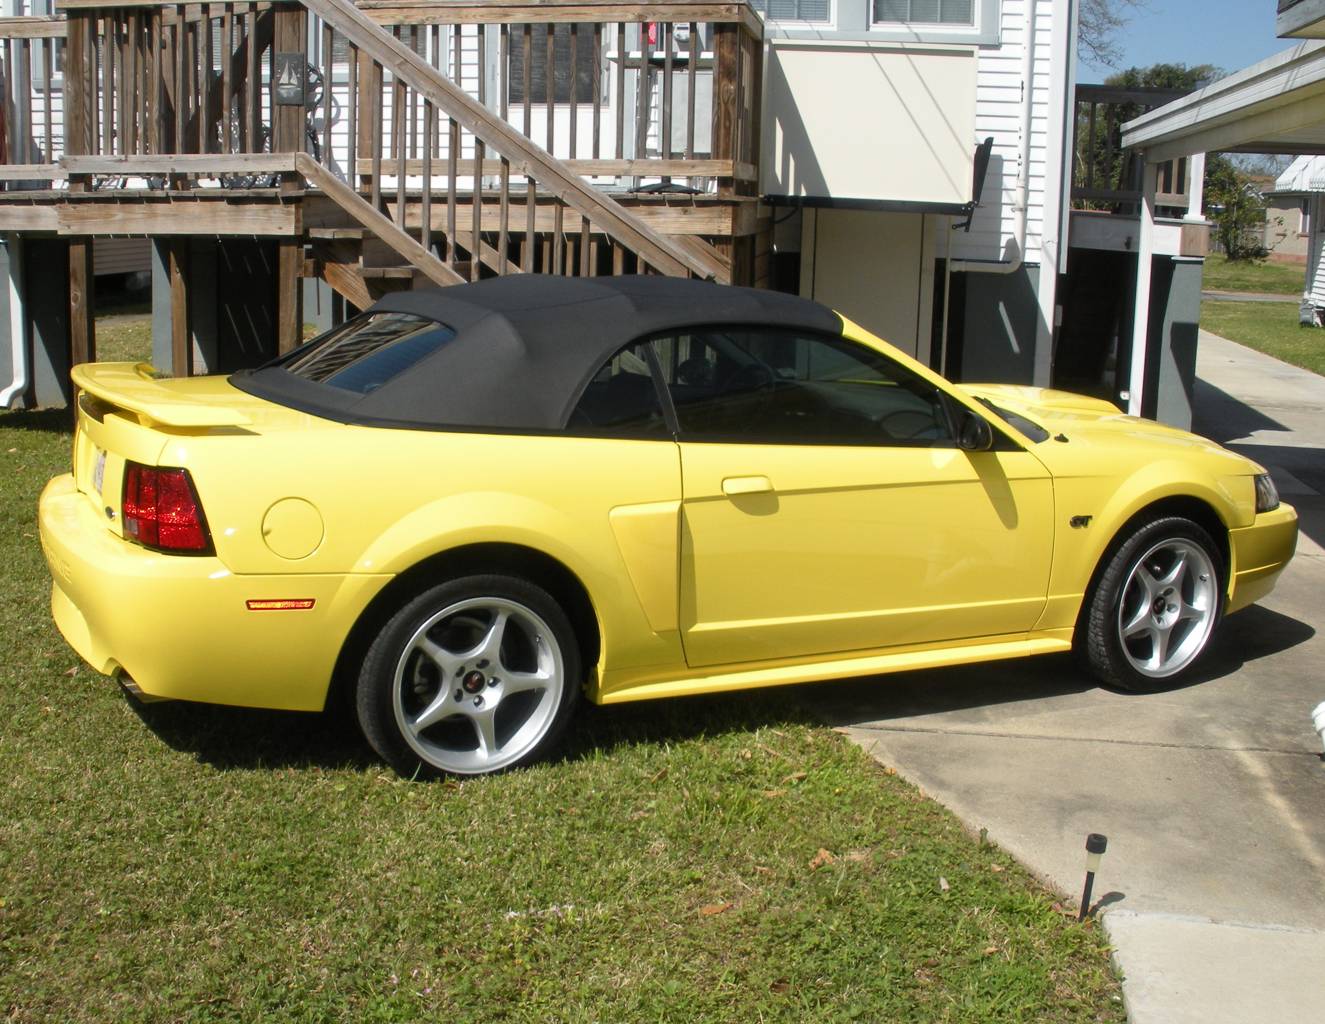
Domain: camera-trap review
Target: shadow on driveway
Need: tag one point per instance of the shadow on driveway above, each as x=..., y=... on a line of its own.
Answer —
x=240, y=738
x=1250, y=635
x=1219, y=416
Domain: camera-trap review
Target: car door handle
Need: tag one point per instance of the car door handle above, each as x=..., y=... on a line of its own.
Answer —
x=735, y=485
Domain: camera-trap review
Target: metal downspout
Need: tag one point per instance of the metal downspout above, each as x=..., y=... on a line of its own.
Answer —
x=18, y=346
x=1023, y=171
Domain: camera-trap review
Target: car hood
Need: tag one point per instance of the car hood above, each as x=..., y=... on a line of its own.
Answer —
x=1083, y=421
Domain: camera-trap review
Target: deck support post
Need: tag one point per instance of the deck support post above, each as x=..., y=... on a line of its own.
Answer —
x=181, y=344
x=289, y=294
x=290, y=35
x=82, y=327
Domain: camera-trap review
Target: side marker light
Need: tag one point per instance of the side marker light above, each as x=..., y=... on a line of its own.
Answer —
x=280, y=604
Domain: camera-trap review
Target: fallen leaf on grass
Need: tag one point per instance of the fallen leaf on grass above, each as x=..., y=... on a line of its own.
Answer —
x=990, y=950
x=857, y=856
x=760, y=869
x=795, y=777
x=943, y=884
x=773, y=794
x=821, y=858
x=890, y=771
x=779, y=986
x=72, y=672
x=715, y=908
x=660, y=774
x=996, y=868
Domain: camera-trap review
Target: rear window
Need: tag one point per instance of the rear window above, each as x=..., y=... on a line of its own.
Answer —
x=364, y=353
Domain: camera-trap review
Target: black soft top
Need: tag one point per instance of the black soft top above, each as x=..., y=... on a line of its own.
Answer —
x=526, y=346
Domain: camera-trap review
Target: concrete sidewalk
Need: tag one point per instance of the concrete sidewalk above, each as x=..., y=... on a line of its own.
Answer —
x=1215, y=295
x=1212, y=796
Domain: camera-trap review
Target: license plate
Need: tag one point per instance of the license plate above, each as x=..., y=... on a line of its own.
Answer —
x=98, y=470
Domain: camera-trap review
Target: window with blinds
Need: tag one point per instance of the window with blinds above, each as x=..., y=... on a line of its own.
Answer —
x=925, y=12
x=793, y=10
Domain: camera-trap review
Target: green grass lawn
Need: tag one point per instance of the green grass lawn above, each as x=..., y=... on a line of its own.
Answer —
x=1268, y=327
x=1252, y=276
x=695, y=860
x=128, y=337
x=125, y=339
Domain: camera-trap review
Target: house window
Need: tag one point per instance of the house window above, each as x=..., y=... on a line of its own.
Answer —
x=925, y=12
x=793, y=10
x=564, y=78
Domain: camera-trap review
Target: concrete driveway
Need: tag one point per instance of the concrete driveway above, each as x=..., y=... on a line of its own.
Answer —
x=1212, y=796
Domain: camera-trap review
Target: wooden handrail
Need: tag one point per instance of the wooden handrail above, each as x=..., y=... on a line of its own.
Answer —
x=525, y=156
x=32, y=27
x=355, y=205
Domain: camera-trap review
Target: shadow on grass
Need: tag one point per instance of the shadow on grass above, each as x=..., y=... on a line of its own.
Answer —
x=46, y=421
x=246, y=738
x=226, y=737
x=240, y=738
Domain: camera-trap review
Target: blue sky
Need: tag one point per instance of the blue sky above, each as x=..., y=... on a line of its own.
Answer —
x=1228, y=33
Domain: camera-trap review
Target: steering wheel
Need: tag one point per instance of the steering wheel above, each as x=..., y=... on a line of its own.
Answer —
x=751, y=377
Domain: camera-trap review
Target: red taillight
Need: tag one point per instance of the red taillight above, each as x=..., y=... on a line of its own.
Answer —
x=161, y=510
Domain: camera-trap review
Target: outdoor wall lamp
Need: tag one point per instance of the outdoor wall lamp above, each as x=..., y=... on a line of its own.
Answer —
x=1096, y=844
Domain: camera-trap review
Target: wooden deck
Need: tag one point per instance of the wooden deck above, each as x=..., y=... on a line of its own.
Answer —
x=414, y=142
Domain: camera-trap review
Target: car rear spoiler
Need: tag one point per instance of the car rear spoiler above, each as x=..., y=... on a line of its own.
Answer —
x=134, y=387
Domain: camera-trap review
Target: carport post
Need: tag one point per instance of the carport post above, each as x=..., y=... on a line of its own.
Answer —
x=1195, y=186
x=1145, y=254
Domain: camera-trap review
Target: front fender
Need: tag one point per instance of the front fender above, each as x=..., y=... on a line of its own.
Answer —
x=1111, y=505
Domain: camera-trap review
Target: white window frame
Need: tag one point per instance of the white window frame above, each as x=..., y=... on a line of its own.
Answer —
x=853, y=21
x=783, y=26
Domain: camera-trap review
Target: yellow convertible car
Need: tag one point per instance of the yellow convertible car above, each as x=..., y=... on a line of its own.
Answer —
x=475, y=506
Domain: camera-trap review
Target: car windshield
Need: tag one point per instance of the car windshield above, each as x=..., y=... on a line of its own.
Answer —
x=1029, y=428
x=366, y=352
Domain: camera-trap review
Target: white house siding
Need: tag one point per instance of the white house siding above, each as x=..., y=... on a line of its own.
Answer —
x=999, y=100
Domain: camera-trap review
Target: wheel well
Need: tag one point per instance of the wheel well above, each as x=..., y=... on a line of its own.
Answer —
x=510, y=559
x=1198, y=511
x=1202, y=514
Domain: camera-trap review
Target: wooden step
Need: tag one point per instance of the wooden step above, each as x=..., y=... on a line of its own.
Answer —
x=333, y=234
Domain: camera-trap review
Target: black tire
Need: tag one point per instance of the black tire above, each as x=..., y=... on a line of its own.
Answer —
x=1147, y=622
x=480, y=656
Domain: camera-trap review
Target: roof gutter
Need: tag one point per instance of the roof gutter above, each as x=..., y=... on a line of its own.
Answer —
x=18, y=347
x=1004, y=267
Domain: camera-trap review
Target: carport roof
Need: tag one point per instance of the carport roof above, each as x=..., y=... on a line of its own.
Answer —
x=1276, y=106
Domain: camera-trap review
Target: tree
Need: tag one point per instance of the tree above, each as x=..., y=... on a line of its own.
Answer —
x=1099, y=22
x=1166, y=76
x=1100, y=155
x=1236, y=208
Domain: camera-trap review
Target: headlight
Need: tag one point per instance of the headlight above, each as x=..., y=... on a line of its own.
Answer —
x=1267, y=495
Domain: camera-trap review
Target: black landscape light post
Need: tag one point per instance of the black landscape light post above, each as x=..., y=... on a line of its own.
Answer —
x=1096, y=844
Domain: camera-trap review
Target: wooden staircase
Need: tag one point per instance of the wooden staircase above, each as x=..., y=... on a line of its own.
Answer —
x=437, y=149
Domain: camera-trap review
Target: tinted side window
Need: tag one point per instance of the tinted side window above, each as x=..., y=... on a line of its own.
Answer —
x=784, y=387
x=621, y=400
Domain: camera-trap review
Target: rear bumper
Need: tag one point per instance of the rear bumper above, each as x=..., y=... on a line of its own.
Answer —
x=1259, y=553
x=180, y=625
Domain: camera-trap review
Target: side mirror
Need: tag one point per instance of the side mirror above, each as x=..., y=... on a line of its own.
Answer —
x=974, y=434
